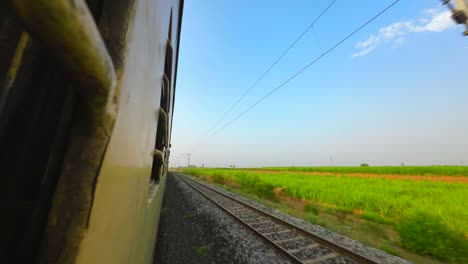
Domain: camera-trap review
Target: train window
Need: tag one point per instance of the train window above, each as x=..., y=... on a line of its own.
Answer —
x=161, y=151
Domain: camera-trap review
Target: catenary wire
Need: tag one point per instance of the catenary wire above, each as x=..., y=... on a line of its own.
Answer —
x=268, y=70
x=307, y=66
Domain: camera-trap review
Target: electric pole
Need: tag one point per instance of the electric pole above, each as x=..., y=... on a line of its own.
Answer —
x=188, y=160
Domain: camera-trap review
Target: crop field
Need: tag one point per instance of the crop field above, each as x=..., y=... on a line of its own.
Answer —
x=389, y=170
x=429, y=217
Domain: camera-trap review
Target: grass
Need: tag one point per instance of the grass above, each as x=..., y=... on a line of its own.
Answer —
x=429, y=217
x=203, y=250
x=388, y=249
x=389, y=170
x=374, y=217
x=311, y=209
x=428, y=235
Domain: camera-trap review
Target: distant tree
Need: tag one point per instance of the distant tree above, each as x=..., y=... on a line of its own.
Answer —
x=364, y=165
x=402, y=164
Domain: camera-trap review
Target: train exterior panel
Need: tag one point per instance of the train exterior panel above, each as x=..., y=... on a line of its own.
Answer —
x=125, y=214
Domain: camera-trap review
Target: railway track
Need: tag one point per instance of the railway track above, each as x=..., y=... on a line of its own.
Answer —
x=295, y=243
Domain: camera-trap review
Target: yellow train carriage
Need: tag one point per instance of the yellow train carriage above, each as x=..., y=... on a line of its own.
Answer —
x=86, y=103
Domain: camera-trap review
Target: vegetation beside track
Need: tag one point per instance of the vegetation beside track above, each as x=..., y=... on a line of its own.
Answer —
x=429, y=218
x=384, y=170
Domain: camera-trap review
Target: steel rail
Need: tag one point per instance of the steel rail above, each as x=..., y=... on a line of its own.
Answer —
x=319, y=239
x=277, y=247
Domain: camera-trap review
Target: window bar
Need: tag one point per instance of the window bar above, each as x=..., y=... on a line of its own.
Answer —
x=69, y=32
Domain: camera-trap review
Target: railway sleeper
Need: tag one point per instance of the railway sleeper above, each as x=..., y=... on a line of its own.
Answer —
x=236, y=208
x=288, y=239
x=322, y=258
x=259, y=223
x=311, y=246
x=277, y=232
x=269, y=229
x=251, y=219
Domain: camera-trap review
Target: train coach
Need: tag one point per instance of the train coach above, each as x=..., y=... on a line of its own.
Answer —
x=86, y=102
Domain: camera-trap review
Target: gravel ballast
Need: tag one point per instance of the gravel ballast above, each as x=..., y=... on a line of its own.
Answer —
x=194, y=230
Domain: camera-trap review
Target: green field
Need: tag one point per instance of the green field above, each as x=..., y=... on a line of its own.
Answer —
x=431, y=218
x=390, y=170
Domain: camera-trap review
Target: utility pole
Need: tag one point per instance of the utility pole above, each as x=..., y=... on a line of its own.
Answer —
x=188, y=160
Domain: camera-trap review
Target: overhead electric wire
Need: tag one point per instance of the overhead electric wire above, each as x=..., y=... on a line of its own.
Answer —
x=270, y=67
x=307, y=66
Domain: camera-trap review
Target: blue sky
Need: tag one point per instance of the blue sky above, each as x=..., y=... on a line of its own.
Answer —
x=394, y=92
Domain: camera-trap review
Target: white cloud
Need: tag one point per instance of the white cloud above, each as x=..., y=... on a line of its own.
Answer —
x=434, y=20
x=363, y=52
x=431, y=11
x=440, y=22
